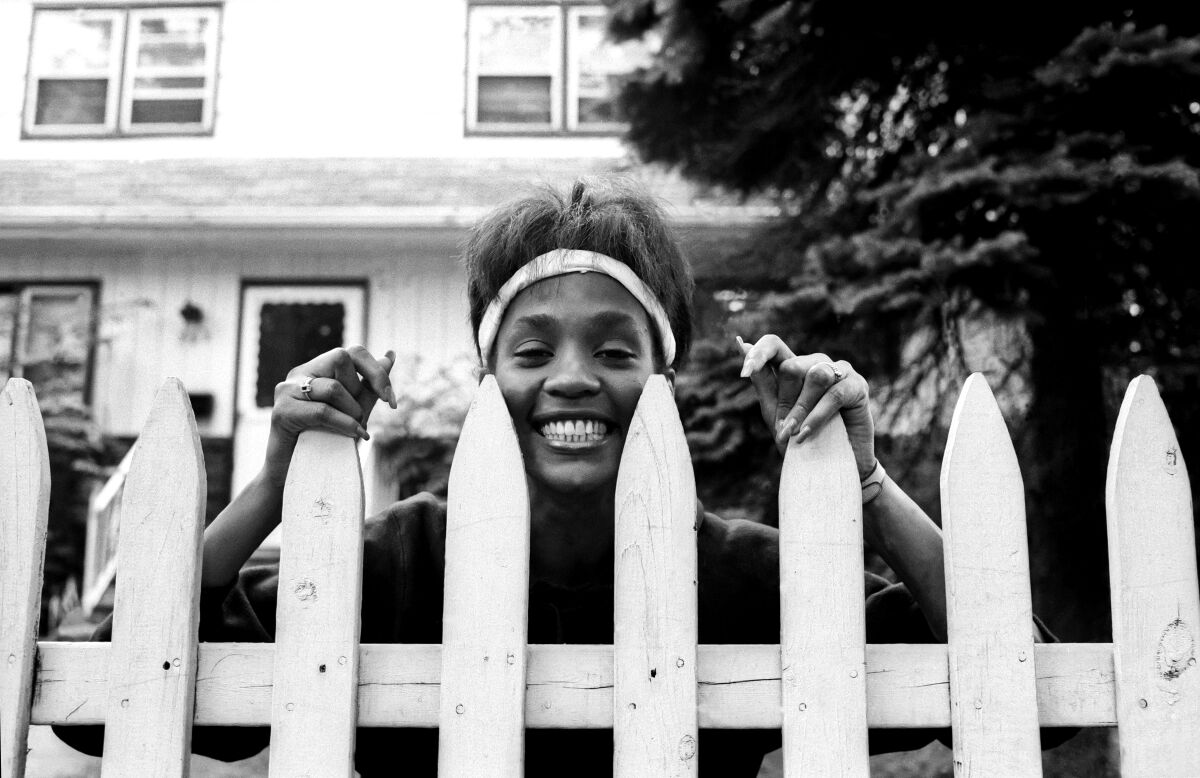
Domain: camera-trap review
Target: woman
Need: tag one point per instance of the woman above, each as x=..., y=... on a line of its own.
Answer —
x=575, y=302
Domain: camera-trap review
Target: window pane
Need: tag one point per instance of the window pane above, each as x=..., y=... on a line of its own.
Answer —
x=167, y=112
x=516, y=44
x=598, y=68
x=514, y=99
x=170, y=83
x=71, y=101
x=290, y=334
x=177, y=41
x=64, y=42
x=54, y=352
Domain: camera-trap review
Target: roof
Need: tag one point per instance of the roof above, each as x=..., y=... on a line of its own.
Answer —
x=370, y=192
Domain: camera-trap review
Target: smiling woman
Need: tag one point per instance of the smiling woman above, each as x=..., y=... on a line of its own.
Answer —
x=576, y=302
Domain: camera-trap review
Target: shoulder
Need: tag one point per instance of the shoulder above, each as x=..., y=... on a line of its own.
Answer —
x=407, y=530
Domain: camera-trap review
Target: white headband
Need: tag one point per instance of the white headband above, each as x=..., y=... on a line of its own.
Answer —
x=560, y=262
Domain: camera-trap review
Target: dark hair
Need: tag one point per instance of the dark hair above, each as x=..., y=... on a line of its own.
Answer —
x=612, y=216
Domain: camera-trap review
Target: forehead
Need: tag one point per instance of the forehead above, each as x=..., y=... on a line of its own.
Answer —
x=574, y=296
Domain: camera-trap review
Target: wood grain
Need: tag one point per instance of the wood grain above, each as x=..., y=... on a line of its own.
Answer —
x=486, y=607
x=314, y=706
x=822, y=619
x=155, y=618
x=655, y=730
x=989, y=611
x=24, y=513
x=1155, y=598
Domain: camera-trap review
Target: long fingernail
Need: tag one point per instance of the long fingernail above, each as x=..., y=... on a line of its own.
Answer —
x=748, y=367
x=803, y=434
x=362, y=433
x=741, y=343
x=390, y=396
x=785, y=430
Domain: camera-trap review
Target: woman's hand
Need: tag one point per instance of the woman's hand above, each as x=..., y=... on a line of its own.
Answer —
x=798, y=394
x=344, y=385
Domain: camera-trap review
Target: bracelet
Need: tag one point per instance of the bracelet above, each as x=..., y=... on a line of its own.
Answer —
x=872, y=485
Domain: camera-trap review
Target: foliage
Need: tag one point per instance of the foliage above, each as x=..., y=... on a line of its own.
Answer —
x=75, y=452
x=416, y=441
x=962, y=187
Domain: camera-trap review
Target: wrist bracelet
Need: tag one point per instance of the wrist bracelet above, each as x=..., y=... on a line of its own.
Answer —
x=872, y=485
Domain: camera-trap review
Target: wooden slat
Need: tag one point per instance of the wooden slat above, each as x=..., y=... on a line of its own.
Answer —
x=655, y=621
x=822, y=619
x=1155, y=602
x=314, y=706
x=24, y=511
x=989, y=612
x=155, y=617
x=571, y=687
x=486, y=609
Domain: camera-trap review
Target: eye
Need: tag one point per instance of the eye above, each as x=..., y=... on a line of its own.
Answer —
x=616, y=353
x=532, y=351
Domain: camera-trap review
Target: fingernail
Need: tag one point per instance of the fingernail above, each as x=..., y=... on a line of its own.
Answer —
x=803, y=434
x=390, y=355
x=748, y=367
x=389, y=396
x=741, y=343
x=785, y=430
x=362, y=433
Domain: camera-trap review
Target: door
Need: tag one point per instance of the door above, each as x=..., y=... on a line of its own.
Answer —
x=284, y=326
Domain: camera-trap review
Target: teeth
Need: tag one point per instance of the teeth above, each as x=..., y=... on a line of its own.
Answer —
x=578, y=431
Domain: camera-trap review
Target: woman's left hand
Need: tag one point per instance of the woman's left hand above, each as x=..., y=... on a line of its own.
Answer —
x=798, y=394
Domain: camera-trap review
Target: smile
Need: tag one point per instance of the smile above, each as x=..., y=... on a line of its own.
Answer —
x=581, y=433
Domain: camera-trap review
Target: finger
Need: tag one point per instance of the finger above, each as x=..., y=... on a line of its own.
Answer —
x=333, y=392
x=768, y=350
x=765, y=387
x=848, y=396
x=375, y=372
x=819, y=377
x=309, y=415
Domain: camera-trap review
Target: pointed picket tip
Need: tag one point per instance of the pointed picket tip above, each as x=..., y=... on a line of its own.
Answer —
x=171, y=420
x=655, y=409
x=978, y=433
x=1143, y=427
x=21, y=416
x=488, y=440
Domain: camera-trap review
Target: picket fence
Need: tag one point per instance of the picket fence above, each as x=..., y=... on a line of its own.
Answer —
x=655, y=687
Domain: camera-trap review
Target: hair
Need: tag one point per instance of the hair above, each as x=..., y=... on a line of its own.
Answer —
x=612, y=216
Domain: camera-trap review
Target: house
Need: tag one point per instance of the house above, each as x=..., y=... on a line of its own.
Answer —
x=219, y=190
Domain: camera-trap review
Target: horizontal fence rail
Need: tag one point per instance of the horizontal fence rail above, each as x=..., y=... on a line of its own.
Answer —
x=822, y=685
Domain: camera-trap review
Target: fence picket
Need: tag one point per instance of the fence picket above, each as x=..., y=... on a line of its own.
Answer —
x=1155, y=600
x=822, y=618
x=24, y=513
x=989, y=611
x=486, y=607
x=152, y=673
x=314, y=704
x=655, y=728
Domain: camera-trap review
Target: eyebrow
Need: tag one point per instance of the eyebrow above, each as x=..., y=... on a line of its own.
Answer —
x=603, y=320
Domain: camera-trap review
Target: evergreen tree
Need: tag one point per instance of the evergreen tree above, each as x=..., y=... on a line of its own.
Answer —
x=961, y=187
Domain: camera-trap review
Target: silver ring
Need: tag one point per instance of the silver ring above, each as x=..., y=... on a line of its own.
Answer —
x=306, y=386
x=838, y=375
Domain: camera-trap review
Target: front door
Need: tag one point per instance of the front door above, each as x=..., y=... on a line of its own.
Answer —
x=284, y=326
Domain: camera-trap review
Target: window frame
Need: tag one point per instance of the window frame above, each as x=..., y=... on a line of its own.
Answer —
x=123, y=69
x=564, y=91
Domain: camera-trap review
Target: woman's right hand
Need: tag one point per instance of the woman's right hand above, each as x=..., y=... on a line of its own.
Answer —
x=345, y=384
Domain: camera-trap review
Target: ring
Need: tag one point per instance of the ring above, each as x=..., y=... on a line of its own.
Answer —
x=306, y=386
x=838, y=375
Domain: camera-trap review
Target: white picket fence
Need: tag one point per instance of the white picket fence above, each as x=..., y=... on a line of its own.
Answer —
x=655, y=687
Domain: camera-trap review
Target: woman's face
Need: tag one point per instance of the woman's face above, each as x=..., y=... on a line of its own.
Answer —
x=572, y=355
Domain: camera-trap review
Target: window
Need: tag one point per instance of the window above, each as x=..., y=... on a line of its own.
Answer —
x=112, y=71
x=45, y=338
x=545, y=68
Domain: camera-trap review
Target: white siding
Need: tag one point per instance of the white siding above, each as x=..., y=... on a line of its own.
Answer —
x=416, y=302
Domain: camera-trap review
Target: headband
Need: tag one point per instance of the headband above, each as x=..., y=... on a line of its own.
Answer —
x=561, y=262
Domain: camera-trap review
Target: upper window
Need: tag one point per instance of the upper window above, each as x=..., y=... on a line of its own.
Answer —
x=113, y=71
x=545, y=68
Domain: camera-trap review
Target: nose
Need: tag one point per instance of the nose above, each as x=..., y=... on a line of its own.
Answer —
x=572, y=376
